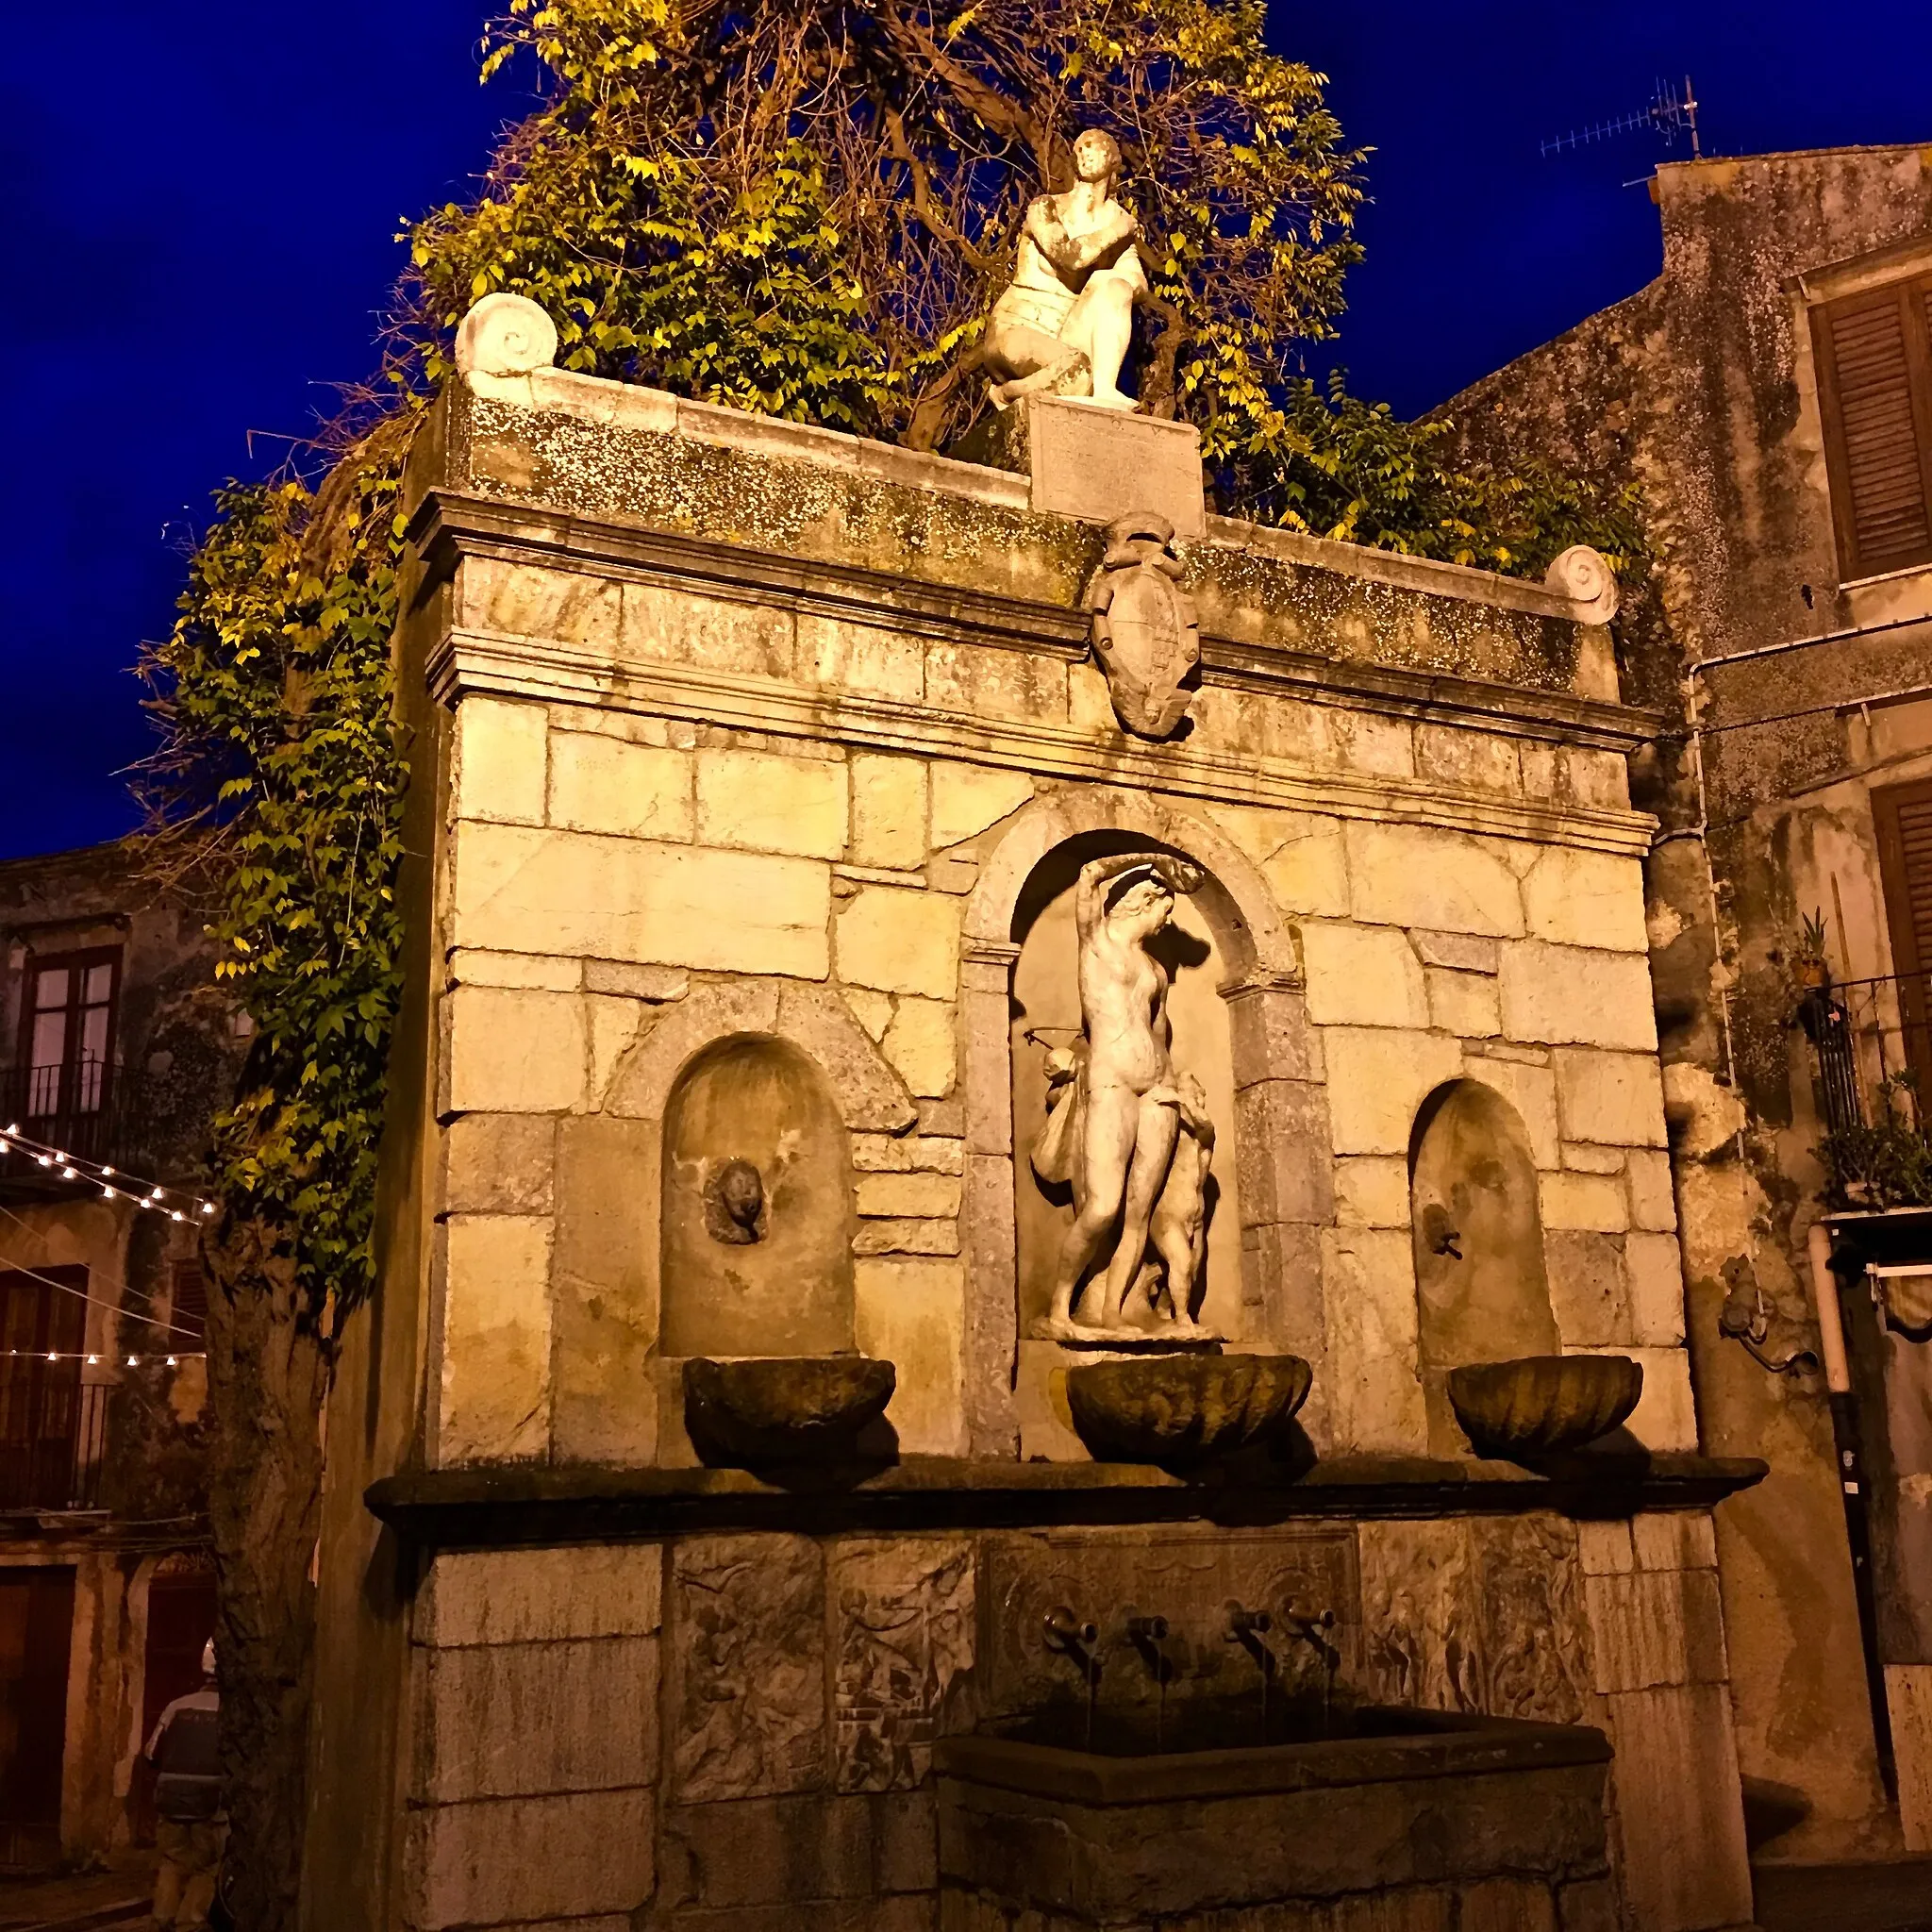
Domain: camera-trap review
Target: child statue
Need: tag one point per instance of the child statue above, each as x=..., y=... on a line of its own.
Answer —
x=1130, y=1135
x=1064, y=322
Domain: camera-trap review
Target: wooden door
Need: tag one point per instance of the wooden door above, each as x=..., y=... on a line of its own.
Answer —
x=1904, y=818
x=42, y=1314
x=36, y=1623
x=180, y=1620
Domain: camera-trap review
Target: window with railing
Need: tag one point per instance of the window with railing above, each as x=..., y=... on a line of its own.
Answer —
x=51, y=1422
x=67, y=1032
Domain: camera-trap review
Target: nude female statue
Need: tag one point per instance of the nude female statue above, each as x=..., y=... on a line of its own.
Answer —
x=1132, y=1137
x=1065, y=320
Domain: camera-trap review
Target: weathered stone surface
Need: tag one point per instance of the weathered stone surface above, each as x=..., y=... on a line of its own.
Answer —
x=1589, y=1906
x=1362, y=976
x=1465, y=1004
x=1908, y=1700
x=1566, y=993
x=1456, y=952
x=860, y=657
x=611, y=1028
x=1583, y=1156
x=499, y=1163
x=1099, y=463
x=907, y=1193
x=1372, y=1190
x=1282, y=1168
x=472, y=966
x=514, y=1719
x=1604, y=1548
x=761, y=801
x=966, y=799
x=1377, y=1078
x=601, y=784
x=657, y=985
x=973, y=681
x=633, y=900
x=512, y=1051
x=921, y=1043
x=911, y=1310
x=564, y=607
x=1592, y=1201
x=1539, y=1404
x=747, y=1667
x=1676, y=1541
x=1587, y=1288
x=1417, y=875
x=1302, y=856
x=1667, y=1416
x=1614, y=1098
x=605, y=1305
x=906, y=1154
x=673, y=625
x=499, y=760
x=1653, y=1198
x=1652, y=1628
x=904, y=1611
x=498, y=1861
x=887, y=810
x=1680, y=1815
x=1368, y=1281
x=1586, y=899
x=1655, y=1274
x=541, y=1596
x=496, y=1358
x=900, y=941
x=910, y=1236
x=1468, y=761
x=1506, y=1904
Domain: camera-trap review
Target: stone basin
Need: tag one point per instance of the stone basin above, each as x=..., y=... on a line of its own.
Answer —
x=1180, y=1411
x=1544, y=1404
x=783, y=1410
x=1412, y=1810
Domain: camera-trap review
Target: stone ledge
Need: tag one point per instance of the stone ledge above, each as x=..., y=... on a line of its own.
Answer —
x=491, y=1506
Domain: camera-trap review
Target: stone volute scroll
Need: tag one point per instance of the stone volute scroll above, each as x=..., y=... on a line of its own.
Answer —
x=1585, y=577
x=1145, y=633
x=1125, y=1130
x=504, y=336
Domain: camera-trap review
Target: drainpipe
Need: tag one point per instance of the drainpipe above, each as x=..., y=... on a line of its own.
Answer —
x=1844, y=1431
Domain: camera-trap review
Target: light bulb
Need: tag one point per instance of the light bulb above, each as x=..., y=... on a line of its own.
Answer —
x=52, y=1357
x=134, y=1361
x=208, y=1206
x=93, y=1361
x=171, y=1363
x=107, y=1171
x=177, y=1215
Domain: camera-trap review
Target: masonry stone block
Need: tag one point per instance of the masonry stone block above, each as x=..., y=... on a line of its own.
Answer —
x=1653, y=1198
x=1302, y=856
x=1377, y=1078
x=556, y=606
x=967, y=799
x=1270, y=1037
x=499, y=1163
x=601, y=784
x=1652, y=1628
x=1614, y=1098
x=1587, y=1286
x=1655, y=1271
x=1586, y=899
x=860, y=657
x=921, y=1042
x=1468, y=761
x=1592, y=1201
x=1372, y=1190
x=635, y=901
x=906, y=1154
x=1420, y=875
x=499, y=760
x=672, y=626
x=761, y=801
x=1604, y=1548
x=541, y=1596
x=495, y=1354
x=1376, y=1400
x=886, y=1194
x=975, y=681
x=1532, y=1091
x=887, y=810
x=906, y=1236
x=1566, y=994
x=911, y=1312
x=512, y=1050
x=900, y=941
x=1665, y=1418
x=1281, y=1152
x=1677, y=1541
x=504, y=1860
x=1465, y=1004
x=1362, y=976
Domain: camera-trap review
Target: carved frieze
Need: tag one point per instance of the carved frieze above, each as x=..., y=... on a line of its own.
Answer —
x=906, y=1633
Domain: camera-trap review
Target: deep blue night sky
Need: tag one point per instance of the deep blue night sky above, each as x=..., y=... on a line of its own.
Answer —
x=199, y=206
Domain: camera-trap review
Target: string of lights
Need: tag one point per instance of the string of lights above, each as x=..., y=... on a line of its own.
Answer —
x=94, y=1275
x=92, y=1300
x=94, y=1360
x=177, y=1203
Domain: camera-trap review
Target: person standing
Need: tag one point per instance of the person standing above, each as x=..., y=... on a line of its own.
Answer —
x=190, y=1828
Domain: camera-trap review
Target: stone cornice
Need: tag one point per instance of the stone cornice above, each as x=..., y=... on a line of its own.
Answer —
x=496, y=1507
x=450, y=525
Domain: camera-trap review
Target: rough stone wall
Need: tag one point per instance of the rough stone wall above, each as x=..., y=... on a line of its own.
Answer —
x=1701, y=389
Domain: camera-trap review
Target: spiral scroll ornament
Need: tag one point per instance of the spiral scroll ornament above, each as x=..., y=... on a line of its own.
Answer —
x=1584, y=575
x=504, y=335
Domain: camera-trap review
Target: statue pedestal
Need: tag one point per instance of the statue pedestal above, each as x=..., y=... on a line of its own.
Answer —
x=1098, y=464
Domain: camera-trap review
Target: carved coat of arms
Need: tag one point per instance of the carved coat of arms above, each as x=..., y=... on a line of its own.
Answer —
x=1144, y=630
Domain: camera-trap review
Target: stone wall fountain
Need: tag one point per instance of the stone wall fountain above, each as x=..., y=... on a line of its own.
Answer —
x=993, y=1054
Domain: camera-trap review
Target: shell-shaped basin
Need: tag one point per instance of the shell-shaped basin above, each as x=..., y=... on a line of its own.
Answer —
x=783, y=1408
x=1544, y=1403
x=1178, y=1411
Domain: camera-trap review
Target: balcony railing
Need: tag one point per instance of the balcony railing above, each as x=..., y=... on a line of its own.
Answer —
x=1872, y=1040
x=52, y=1436
x=86, y=1108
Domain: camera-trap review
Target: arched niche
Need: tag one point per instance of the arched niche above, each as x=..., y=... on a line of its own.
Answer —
x=778, y=1282
x=1480, y=1278
x=1045, y=1013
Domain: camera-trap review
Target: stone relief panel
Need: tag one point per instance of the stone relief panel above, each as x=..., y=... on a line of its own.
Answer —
x=905, y=1635
x=1188, y=1577
x=748, y=1679
x=1477, y=1615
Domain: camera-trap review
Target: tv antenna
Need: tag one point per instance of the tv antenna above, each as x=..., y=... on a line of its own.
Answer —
x=1672, y=111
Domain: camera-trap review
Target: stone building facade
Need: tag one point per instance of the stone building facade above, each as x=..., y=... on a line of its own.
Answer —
x=114, y=1048
x=1770, y=392
x=750, y=753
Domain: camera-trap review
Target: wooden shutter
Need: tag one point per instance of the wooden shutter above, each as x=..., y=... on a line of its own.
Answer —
x=1903, y=816
x=1874, y=379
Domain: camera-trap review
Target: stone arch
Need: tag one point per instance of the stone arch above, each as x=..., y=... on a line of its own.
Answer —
x=1279, y=1144
x=1482, y=1287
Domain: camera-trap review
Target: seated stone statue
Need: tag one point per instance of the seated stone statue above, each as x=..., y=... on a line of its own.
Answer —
x=1064, y=322
x=1129, y=1131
